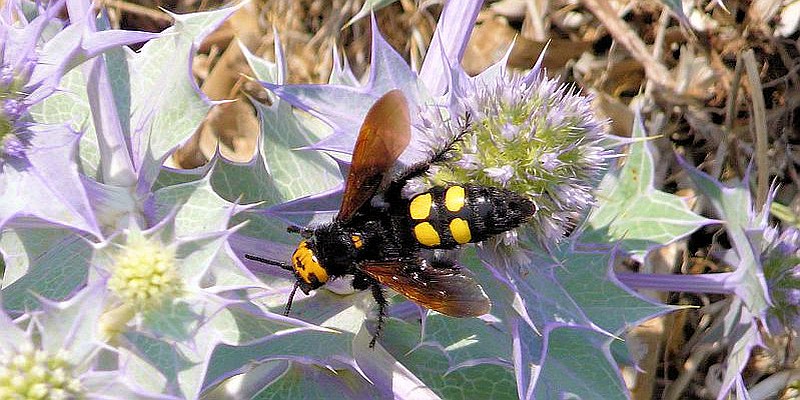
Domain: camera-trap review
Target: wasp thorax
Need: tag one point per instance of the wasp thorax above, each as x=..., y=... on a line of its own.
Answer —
x=307, y=268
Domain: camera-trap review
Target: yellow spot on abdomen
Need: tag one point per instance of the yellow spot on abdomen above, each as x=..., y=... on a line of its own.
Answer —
x=426, y=234
x=454, y=198
x=459, y=228
x=420, y=206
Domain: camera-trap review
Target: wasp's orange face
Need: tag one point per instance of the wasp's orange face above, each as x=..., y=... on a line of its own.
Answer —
x=309, y=272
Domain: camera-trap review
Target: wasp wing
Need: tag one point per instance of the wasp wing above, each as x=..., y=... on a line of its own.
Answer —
x=442, y=288
x=384, y=135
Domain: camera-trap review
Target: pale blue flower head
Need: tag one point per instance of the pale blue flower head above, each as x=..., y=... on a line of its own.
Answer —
x=530, y=134
x=18, y=59
x=781, y=260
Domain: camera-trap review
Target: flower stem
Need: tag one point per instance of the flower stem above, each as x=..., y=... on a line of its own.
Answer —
x=113, y=321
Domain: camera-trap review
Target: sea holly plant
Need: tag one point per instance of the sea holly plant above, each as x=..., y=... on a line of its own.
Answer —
x=521, y=131
x=133, y=275
x=763, y=285
x=91, y=126
x=54, y=353
x=36, y=159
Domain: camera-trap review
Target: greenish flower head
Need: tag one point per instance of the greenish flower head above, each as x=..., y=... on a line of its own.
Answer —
x=534, y=136
x=31, y=374
x=145, y=274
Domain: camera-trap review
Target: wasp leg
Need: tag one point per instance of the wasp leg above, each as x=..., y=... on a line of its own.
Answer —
x=440, y=156
x=363, y=281
x=377, y=293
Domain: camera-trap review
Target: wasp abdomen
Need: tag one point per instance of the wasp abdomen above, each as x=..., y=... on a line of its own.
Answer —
x=447, y=216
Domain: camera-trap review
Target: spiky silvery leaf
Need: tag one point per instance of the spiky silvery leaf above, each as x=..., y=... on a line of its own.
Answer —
x=39, y=158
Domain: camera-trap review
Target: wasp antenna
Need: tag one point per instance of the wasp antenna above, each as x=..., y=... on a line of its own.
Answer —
x=291, y=297
x=267, y=261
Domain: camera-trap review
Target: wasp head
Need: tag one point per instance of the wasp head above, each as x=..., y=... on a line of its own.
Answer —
x=307, y=268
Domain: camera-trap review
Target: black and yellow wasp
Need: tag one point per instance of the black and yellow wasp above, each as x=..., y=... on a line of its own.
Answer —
x=379, y=242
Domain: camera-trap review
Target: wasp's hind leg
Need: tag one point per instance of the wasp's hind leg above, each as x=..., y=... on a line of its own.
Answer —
x=439, y=156
x=377, y=293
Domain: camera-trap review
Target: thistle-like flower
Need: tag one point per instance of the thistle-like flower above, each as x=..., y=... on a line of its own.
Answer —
x=781, y=261
x=151, y=275
x=526, y=133
x=17, y=63
x=144, y=273
x=13, y=137
x=529, y=134
x=31, y=373
x=154, y=254
x=54, y=354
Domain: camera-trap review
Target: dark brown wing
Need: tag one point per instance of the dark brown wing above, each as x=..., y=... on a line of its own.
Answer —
x=383, y=137
x=443, y=289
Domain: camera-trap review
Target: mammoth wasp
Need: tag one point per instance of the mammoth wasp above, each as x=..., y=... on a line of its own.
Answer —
x=381, y=244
